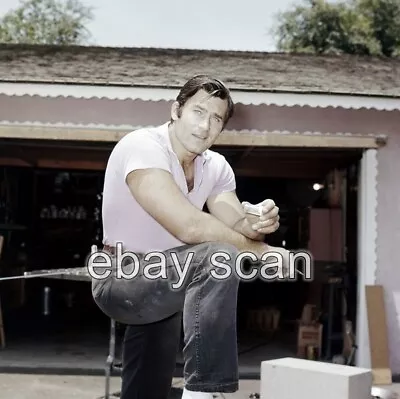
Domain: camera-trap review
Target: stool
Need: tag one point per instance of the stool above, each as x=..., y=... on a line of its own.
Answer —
x=2, y=334
x=110, y=362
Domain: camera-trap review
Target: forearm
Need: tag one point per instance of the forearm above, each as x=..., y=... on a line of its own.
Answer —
x=206, y=227
x=209, y=228
x=243, y=226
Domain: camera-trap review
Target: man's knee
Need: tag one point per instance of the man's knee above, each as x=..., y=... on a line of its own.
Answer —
x=101, y=294
x=224, y=249
x=219, y=255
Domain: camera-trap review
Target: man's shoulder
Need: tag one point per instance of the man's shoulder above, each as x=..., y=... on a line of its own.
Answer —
x=144, y=142
x=145, y=135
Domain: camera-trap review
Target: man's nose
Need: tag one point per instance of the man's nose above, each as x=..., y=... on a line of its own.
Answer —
x=205, y=123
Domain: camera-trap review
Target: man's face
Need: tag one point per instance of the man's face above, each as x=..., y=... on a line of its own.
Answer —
x=201, y=121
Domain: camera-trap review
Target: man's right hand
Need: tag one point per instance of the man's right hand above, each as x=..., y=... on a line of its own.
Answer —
x=261, y=250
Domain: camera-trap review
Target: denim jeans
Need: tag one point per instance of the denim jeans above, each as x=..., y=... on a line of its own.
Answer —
x=153, y=310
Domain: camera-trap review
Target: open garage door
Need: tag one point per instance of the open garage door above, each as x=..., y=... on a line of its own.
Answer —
x=312, y=181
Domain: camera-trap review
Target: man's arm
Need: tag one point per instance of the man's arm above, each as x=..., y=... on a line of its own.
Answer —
x=227, y=207
x=156, y=191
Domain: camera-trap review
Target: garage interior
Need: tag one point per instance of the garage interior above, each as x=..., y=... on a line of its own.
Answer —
x=50, y=215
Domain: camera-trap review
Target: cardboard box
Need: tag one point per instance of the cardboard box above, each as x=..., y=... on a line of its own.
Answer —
x=310, y=334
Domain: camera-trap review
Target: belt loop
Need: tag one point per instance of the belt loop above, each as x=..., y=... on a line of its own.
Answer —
x=109, y=249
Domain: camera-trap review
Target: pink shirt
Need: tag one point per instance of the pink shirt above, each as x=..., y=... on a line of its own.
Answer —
x=124, y=220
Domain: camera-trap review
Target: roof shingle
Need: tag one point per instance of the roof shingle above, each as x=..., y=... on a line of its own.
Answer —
x=154, y=67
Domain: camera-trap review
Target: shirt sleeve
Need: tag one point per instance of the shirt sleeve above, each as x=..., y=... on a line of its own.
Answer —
x=226, y=179
x=141, y=151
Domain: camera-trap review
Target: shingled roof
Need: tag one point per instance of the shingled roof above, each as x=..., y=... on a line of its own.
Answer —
x=170, y=68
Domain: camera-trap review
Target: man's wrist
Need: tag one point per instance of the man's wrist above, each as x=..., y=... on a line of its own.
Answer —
x=243, y=226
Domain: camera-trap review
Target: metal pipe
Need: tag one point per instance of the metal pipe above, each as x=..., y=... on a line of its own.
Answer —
x=31, y=275
x=37, y=274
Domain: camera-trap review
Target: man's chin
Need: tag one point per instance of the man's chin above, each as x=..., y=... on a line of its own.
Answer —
x=196, y=151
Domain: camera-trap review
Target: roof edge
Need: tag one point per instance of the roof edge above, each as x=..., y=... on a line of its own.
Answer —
x=156, y=94
x=232, y=88
x=182, y=50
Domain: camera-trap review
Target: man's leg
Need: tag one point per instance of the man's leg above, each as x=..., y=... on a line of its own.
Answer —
x=149, y=358
x=209, y=322
x=208, y=304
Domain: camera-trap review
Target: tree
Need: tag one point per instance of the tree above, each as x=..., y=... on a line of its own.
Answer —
x=46, y=22
x=354, y=27
x=384, y=20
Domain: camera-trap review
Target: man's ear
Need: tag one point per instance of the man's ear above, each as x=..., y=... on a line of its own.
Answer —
x=175, y=111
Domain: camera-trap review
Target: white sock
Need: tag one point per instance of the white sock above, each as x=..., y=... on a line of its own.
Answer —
x=196, y=395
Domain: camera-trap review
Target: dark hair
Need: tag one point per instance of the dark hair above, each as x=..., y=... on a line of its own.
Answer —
x=212, y=86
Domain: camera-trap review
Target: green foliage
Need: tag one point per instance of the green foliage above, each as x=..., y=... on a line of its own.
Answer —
x=384, y=19
x=368, y=27
x=46, y=22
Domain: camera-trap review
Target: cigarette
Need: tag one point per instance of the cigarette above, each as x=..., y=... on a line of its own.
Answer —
x=252, y=209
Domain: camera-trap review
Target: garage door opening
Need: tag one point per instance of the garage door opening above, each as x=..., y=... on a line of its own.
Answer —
x=51, y=197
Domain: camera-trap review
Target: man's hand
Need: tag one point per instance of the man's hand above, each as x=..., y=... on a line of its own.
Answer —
x=268, y=220
x=278, y=257
x=227, y=208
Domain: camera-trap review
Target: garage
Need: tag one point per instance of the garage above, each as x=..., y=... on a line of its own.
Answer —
x=314, y=145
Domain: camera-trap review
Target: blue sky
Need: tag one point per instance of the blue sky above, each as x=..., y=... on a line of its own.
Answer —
x=206, y=24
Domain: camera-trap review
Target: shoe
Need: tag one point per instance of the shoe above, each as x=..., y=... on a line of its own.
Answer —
x=196, y=395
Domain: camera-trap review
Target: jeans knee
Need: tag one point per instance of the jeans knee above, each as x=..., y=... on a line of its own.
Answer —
x=101, y=295
x=225, y=249
x=221, y=261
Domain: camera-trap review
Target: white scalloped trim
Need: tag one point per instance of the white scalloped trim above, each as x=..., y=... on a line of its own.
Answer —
x=71, y=125
x=280, y=99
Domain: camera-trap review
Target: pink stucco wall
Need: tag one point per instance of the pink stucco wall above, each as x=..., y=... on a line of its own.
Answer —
x=265, y=118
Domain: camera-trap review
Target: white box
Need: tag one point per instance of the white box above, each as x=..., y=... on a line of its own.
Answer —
x=293, y=378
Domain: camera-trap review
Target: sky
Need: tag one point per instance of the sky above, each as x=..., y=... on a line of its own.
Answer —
x=205, y=24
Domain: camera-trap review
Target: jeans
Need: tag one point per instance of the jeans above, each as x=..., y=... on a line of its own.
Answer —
x=153, y=310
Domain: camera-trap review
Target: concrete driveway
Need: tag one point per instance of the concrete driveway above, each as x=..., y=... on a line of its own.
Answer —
x=39, y=386
x=34, y=386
